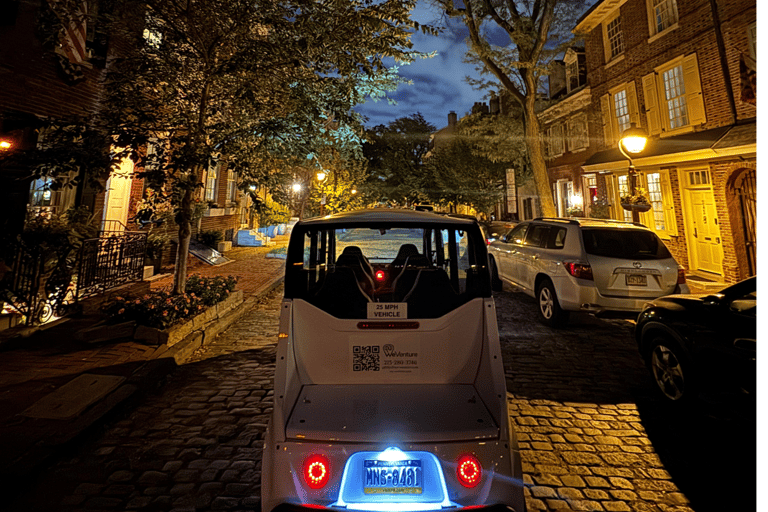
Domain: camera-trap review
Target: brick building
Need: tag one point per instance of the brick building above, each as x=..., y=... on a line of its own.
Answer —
x=52, y=63
x=683, y=70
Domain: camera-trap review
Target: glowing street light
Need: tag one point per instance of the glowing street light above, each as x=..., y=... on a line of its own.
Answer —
x=320, y=175
x=296, y=187
x=5, y=144
x=633, y=140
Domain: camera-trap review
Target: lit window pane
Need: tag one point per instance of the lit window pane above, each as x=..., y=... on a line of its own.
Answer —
x=615, y=38
x=674, y=92
x=624, y=191
x=664, y=14
x=657, y=203
x=621, y=107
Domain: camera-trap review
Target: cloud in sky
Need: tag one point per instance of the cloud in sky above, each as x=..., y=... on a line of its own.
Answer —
x=439, y=85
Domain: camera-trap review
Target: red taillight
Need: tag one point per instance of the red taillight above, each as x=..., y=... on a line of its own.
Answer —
x=579, y=270
x=469, y=471
x=317, y=471
x=380, y=275
x=680, y=276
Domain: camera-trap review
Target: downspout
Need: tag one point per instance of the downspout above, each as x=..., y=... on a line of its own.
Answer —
x=723, y=59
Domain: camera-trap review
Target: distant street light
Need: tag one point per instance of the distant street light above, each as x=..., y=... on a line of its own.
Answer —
x=320, y=175
x=297, y=187
x=633, y=140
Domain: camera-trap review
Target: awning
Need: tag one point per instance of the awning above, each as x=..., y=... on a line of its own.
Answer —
x=717, y=142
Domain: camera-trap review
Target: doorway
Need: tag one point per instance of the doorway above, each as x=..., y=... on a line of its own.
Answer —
x=705, y=248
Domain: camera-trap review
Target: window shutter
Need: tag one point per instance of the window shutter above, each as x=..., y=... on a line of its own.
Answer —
x=634, y=113
x=651, y=104
x=605, y=107
x=693, y=96
x=669, y=205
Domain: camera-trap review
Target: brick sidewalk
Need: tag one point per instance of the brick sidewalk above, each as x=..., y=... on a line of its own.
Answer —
x=35, y=366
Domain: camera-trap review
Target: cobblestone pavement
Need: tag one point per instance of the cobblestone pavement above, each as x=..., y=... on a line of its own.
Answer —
x=592, y=434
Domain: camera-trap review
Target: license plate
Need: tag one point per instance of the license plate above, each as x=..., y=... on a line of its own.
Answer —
x=392, y=476
x=636, y=280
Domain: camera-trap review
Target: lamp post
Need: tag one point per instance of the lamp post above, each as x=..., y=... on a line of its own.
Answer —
x=633, y=140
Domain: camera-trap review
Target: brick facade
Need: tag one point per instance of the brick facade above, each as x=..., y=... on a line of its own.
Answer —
x=695, y=33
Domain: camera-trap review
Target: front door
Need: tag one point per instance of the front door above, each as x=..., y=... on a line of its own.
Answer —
x=118, y=195
x=704, y=243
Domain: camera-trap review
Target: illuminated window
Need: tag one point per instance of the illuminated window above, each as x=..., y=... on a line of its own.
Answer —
x=624, y=191
x=656, y=199
x=231, y=186
x=674, y=93
x=41, y=193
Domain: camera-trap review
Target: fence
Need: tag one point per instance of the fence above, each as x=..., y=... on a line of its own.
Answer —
x=45, y=280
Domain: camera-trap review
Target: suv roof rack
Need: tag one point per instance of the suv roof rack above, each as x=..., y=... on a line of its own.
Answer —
x=589, y=219
x=557, y=219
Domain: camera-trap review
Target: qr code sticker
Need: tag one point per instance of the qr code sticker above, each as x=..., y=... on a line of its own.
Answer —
x=365, y=358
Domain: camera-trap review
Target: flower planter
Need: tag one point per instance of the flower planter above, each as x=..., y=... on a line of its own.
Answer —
x=640, y=207
x=178, y=332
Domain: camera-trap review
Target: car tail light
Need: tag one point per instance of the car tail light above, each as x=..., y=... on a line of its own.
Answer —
x=680, y=275
x=380, y=275
x=469, y=471
x=317, y=471
x=579, y=270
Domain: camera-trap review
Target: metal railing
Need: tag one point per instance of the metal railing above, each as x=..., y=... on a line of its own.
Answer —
x=110, y=261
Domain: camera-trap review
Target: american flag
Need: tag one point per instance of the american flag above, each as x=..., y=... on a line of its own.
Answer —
x=73, y=15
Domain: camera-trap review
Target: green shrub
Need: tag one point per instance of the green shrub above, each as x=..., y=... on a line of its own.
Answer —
x=211, y=238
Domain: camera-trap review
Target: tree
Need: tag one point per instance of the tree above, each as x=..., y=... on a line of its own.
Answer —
x=204, y=81
x=457, y=175
x=394, y=153
x=538, y=30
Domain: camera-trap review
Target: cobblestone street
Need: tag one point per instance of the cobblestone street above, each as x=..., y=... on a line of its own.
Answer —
x=592, y=434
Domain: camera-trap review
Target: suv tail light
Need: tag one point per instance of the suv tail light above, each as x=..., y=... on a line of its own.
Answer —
x=579, y=270
x=469, y=471
x=317, y=471
x=680, y=275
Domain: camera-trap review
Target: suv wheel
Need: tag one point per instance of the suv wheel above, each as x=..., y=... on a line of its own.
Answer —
x=496, y=284
x=550, y=311
x=670, y=370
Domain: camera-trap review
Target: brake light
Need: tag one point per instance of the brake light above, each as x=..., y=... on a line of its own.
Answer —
x=579, y=270
x=317, y=471
x=469, y=471
x=680, y=275
x=380, y=275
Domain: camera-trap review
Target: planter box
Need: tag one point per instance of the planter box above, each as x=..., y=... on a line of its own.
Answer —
x=224, y=246
x=178, y=332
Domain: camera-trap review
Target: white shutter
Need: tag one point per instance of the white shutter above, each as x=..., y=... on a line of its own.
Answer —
x=605, y=107
x=634, y=113
x=693, y=97
x=652, y=113
x=670, y=220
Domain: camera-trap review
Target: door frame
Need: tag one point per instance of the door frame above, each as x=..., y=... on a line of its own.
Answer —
x=708, y=188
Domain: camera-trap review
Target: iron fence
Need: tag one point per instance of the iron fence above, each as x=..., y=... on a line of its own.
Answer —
x=110, y=261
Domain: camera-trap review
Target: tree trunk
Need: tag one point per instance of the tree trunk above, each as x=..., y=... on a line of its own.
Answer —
x=536, y=155
x=185, y=234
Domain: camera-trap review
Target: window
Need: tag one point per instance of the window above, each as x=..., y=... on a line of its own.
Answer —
x=662, y=15
x=537, y=236
x=624, y=191
x=661, y=217
x=517, y=235
x=614, y=39
x=577, y=132
x=572, y=75
x=41, y=193
x=673, y=99
x=657, y=203
x=752, y=35
x=210, y=182
x=699, y=177
x=556, y=141
x=619, y=110
x=674, y=93
x=231, y=186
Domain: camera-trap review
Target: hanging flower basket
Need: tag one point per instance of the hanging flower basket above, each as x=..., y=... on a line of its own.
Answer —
x=636, y=207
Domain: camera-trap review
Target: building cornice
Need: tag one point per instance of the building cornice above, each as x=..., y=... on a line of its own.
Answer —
x=745, y=151
x=596, y=15
x=567, y=105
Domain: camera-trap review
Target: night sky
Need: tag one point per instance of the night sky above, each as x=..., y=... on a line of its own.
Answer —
x=438, y=83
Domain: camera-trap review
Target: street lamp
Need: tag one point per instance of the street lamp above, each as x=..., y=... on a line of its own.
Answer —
x=633, y=140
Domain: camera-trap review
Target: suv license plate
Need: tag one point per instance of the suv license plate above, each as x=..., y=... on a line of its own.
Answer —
x=392, y=477
x=636, y=280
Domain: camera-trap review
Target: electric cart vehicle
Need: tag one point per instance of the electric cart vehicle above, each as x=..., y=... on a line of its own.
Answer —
x=389, y=386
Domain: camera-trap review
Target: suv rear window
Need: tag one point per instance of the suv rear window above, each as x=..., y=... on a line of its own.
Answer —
x=434, y=269
x=630, y=244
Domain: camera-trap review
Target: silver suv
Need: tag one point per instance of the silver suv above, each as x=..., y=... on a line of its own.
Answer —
x=588, y=265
